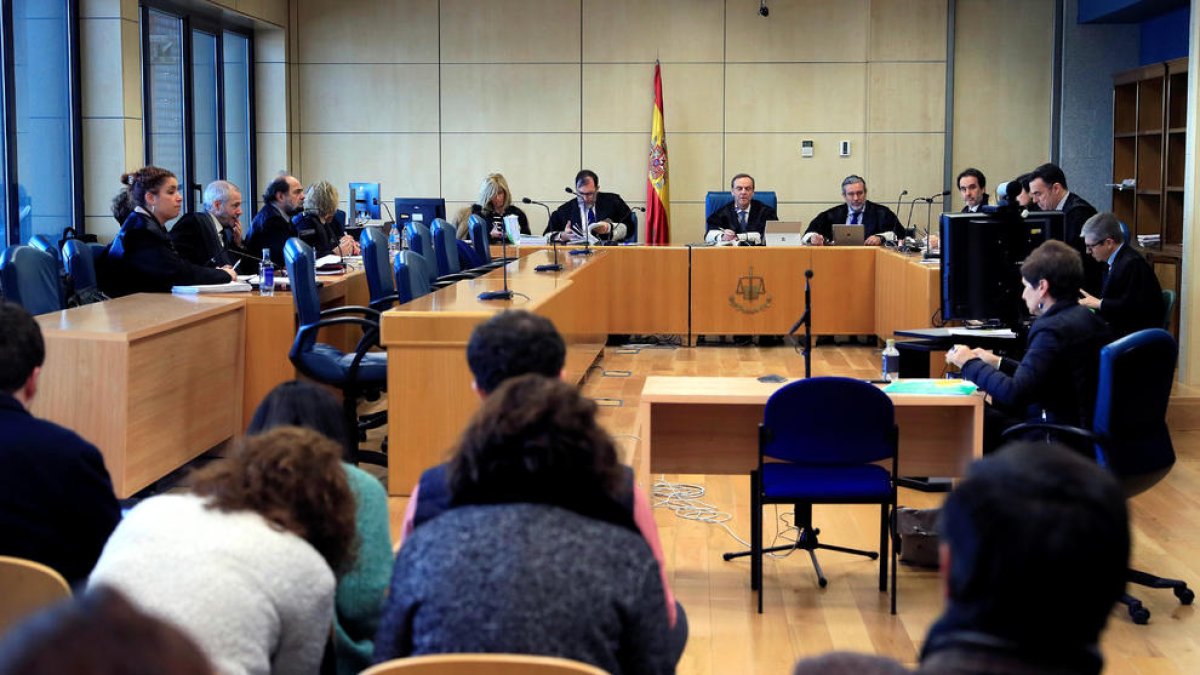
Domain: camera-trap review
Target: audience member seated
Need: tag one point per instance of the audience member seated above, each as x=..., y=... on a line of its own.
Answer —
x=212, y=236
x=272, y=225
x=742, y=221
x=245, y=563
x=878, y=221
x=122, y=206
x=538, y=556
x=142, y=258
x=604, y=216
x=316, y=227
x=99, y=633
x=358, y=600
x=495, y=202
x=1056, y=379
x=56, y=499
x=1034, y=551
x=514, y=343
x=1130, y=296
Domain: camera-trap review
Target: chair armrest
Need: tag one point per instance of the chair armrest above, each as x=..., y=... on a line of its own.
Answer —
x=1052, y=427
x=384, y=303
x=369, y=328
x=351, y=309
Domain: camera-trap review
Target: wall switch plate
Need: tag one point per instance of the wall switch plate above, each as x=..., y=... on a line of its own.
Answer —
x=806, y=148
x=844, y=149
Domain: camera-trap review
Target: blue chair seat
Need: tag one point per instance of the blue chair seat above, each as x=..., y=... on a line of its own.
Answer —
x=832, y=484
x=327, y=363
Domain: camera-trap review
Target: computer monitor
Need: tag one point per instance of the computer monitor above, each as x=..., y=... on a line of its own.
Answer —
x=981, y=261
x=420, y=209
x=366, y=200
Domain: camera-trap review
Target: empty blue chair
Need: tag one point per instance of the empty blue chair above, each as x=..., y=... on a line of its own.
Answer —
x=376, y=267
x=417, y=238
x=445, y=251
x=412, y=279
x=42, y=243
x=80, y=261
x=355, y=373
x=31, y=278
x=481, y=242
x=714, y=201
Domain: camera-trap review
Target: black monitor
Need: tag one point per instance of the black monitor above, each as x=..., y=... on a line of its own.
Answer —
x=420, y=209
x=981, y=260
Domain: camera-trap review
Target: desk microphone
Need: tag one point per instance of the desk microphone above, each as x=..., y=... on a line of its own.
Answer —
x=504, y=294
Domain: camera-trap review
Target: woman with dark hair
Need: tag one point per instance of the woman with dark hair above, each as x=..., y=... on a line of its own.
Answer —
x=537, y=556
x=360, y=592
x=142, y=258
x=245, y=563
x=1056, y=379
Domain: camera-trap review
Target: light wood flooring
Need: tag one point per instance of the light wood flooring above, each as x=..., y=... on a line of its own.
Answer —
x=800, y=619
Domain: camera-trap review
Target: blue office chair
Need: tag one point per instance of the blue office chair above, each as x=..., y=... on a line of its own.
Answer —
x=481, y=243
x=418, y=238
x=80, y=261
x=412, y=279
x=376, y=267
x=714, y=201
x=445, y=251
x=30, y=278
x=356, y=373
x=1129, y=434
x=824, y=435
x=42, y=243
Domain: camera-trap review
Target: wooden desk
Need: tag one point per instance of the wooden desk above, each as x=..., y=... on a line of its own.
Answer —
x=709, y=425
x=152, y=380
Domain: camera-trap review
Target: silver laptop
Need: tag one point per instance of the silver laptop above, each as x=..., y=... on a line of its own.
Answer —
x=849, y=235
x=784, y=233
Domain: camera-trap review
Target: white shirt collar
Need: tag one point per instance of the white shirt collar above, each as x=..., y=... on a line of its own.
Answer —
x=1064, y=201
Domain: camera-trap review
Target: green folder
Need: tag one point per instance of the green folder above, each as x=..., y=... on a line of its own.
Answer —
x=932, y=387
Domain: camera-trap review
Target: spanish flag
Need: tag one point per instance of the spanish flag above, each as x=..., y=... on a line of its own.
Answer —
x=658, y=229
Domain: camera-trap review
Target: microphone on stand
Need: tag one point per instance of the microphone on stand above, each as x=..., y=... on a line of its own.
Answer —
x=587, y=235
x=527, y=200
x=902, y=193
x=504, y=294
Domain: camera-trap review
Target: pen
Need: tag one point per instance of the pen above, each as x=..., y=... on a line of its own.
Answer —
x=235, y=264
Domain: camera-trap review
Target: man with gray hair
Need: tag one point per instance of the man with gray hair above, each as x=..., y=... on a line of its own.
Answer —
x=878, y=221
x=1130, y=296
x=207, y=237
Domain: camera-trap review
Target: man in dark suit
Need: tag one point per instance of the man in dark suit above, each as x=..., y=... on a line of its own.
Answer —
x=1048, y=189
x=272, y=225
x=743, y=221
x=56, y=500
x=602, y=214
x=1131, y=298
x=971, y=185
x=878, y=221
x=207, y=236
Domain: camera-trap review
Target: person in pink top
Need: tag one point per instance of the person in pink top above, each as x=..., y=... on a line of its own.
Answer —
x=512, y=343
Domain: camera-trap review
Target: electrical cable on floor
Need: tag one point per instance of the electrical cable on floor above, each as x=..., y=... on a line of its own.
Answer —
x=684, y=500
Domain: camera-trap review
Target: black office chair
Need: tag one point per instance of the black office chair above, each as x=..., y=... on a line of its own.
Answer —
x=356, y=374
x=1129, y=434
x=824, y=436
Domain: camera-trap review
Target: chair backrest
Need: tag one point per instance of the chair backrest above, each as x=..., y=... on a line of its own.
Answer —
x=1132, y=391
x=445, y=250
x=42, y=243
x=478, y=228
x=375, y=262
x=714, y=201
x=418, y=238
x=632, y=235
x=80, y=261
x=302, y=278
x=30, y=278
x=829, y=421
x=25, y=588
x=421, y=274
x=483, y=664
x=1168, y=307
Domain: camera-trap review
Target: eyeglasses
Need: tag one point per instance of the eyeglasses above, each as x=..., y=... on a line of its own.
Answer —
x=1088, y=247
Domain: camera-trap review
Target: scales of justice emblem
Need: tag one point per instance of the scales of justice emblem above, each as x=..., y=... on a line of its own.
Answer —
x=750, y=296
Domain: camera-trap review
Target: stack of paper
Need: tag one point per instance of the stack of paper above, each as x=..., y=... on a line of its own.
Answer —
x=231, y=287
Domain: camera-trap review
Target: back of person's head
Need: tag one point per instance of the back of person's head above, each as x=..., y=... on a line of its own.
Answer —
x=1059, y=264
x=21, y=346
x=122, y=205
x=293, y=478
x=1050, y=174
x=277, y=185
x=1038, y=540
x=146, y=179
x=99, y=633
x=300, y=404
x=1103, y=226
x=848, y=663
x=321, y=199
x=536, y=439
x=514, y=342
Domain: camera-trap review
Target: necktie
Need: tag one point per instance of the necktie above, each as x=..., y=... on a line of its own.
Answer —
x=742, y=220
x=591, y=217
x=854, y=216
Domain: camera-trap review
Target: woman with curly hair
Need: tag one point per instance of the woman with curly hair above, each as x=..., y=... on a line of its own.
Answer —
x=245, y=563
x=142, y=258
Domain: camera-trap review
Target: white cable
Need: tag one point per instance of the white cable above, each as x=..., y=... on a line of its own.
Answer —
x=684, y=500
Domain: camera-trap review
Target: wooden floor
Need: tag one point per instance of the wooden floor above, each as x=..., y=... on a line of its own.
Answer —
x=800, y=619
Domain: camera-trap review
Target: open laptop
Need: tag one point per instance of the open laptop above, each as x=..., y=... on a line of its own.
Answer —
x=848, y=235
x=784, y=233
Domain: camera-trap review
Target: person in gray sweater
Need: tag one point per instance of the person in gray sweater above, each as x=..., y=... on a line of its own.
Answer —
x=537, y=556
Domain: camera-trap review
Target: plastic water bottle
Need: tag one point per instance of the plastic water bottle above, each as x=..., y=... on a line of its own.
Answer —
x=266, y=274
x=394, y=241
x=891, y=362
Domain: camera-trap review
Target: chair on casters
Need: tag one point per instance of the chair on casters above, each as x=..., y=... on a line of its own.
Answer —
x=376, y=266
x=27, y=587
x=1129, y=433
x=418, y=238
x=481, y=242
x=30, y=278
x=354, y=373
x=412, y=281
x=482, y=664
x=445, y=251
x=825, y=435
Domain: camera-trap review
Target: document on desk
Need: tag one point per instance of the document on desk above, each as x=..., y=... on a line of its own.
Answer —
x=931, y=387
x=231, y=287
x=982, y=332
